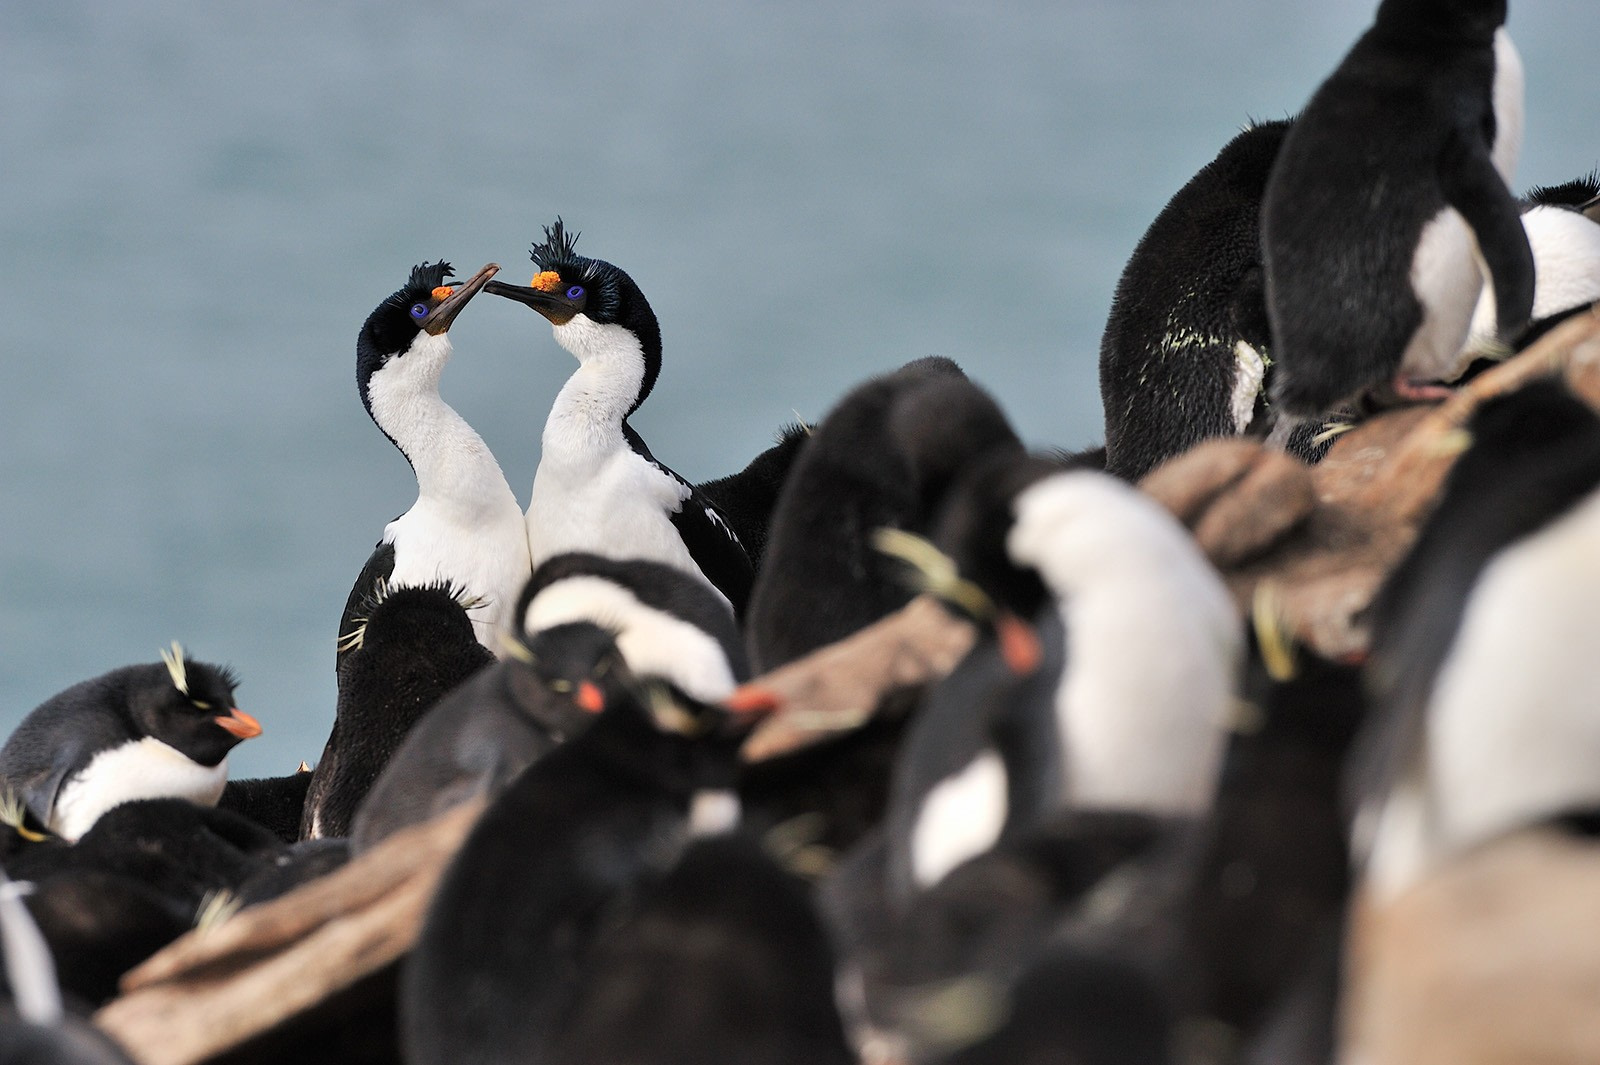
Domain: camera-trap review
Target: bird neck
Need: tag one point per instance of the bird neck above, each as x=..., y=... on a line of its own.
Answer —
x=587, y=417
x=450, y=460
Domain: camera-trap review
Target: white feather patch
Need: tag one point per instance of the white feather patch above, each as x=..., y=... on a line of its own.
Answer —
x=1154, y=644
x=139, y=769
x=1566, y=259
x=653, y=643
x=1249, y=370
x=466, y=527
x=960, y=818
x=1512, y=735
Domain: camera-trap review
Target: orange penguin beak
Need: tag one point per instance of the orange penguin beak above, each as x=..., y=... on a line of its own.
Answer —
x=238, y=723
x=588, y=697
x=1019, y=644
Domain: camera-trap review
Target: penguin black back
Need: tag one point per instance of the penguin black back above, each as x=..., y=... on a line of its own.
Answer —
x=881, y=458
x=493, y=971
x=747, y=498
x=485, y=732
x=723, y=960
x=1370, y=277
x=1186, y=347
x=415, y=645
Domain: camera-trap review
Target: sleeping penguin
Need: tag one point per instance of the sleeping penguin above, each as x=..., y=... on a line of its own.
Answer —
x=1385, y=193
x=139, y=732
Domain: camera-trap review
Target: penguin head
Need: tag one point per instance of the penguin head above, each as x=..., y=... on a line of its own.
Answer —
x=574, y=664
x=595, y=310
x=188, y=705
x=405, y=341
x=666, y=624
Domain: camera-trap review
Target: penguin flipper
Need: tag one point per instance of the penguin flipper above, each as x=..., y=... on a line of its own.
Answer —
x=1473, y=186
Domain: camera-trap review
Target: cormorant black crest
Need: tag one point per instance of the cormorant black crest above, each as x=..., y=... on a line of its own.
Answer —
x=559, y=250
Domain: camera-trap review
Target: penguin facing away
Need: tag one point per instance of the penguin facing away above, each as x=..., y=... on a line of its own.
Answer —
x=139, y=732
x=1387, y=191
x=1186, y=348
x=411, y=647
x=1483, y=688
x=883, y=457
x=598, y=488
x=494, y=975
x=466, y=526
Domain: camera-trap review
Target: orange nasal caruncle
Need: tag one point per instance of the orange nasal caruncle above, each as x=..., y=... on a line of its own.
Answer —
x=546, y=281
x=443, y=292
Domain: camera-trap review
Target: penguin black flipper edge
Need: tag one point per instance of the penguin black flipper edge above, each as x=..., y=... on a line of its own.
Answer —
x=1473, y=186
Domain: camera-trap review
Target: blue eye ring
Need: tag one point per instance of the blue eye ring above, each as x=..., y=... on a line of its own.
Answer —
x=575, y=292
x=419, y=310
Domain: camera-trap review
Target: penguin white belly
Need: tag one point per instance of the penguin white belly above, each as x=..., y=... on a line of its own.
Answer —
x=140, y=769
x=1513, y=733
x=618, y=507
x=1446, y=278
x=1566, y=256
x=487, y=559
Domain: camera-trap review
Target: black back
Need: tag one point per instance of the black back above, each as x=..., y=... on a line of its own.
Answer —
x=486, y=731
x=511, y=926
x=1535, y=454
x=747, y=498
x=722, y=961
x=373, y=577
x=882, y=458
x=417, y=645
x=274, y=803
x=1401, y=129
x=1192, y=290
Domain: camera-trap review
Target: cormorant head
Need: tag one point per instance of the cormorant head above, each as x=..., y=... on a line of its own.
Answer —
x=419, y=311
x=594, y=307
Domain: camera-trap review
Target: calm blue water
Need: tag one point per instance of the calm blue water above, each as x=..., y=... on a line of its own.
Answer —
x=201, y=203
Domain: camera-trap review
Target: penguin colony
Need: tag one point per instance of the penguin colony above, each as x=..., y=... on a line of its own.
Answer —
x=1068, y=849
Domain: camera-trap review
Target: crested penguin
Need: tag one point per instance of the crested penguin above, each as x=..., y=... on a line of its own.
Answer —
x=589, y=627
x=1140, y=702
x=139, y=732
x=495, y=975
x=1483, y=684
x=1387, y=193
x=598, y=488
x=411, y=646
x=1563, y=226
x=882, y=457
x=466, y=526
x=1186, y=348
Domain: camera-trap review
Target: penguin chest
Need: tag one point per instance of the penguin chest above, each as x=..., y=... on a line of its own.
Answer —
x=620, y=506
x=486, y=558
x=139, y=769
x=1446, y=278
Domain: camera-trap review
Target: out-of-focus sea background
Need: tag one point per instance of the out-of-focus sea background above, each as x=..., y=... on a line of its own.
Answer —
x=200, y=203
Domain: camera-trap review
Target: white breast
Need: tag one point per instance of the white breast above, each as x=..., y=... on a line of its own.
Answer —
x=141, y=769
x=1512, y=735
x=1153, y=644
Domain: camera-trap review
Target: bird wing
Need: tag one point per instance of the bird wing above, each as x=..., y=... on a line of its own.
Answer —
x=707, y=534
